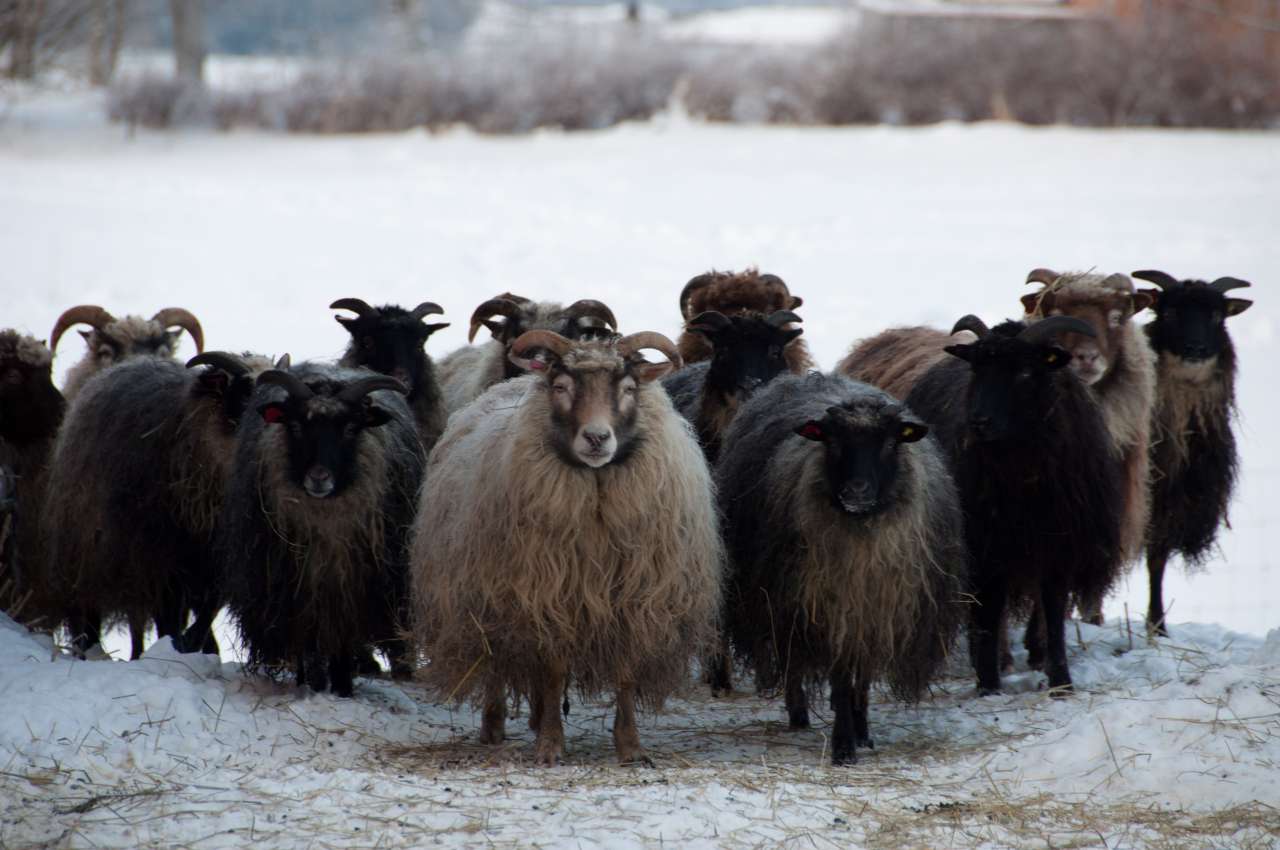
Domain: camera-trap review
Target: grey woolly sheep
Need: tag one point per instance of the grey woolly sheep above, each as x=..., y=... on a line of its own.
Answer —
x=113, y=340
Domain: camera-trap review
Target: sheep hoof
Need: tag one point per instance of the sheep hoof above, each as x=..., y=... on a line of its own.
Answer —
x=1006, y=663
x=866, y=743
x=843, y=755
x=798, y=721
x=547, y=755
x=1061, y=691
x=988, y=691
x=637, y=758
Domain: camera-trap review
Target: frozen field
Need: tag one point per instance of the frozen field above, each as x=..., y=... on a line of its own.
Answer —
x=1177, y=743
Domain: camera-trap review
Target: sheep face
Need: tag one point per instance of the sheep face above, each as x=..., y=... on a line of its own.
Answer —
x=860, y=453
x=112, y=340
x=389, y=339
x=1011, y=388
x=594, y=388
x=1191, y=316
x=747, y=351
x=1107, y=304
x=323, y=423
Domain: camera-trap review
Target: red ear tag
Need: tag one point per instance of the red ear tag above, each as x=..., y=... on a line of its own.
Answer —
x=811, y=431
x=273, y=414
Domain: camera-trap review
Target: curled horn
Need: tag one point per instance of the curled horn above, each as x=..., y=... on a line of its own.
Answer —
x=511, y=296
x=357, y=390
x=356, y=305
x=1044, y=276
x=687, y=293
x=1043, y=330
x=232, y=364
x=633, y=343
x=178, y=317
x=291, y=383
x=550, y=340
x=1224, y=285
x=492, y=307
x=88, y=314
x=427, y=308
x=594, y=309
x=971, y=323
x=782, y=317
x=1160, y=279
x=712, y=320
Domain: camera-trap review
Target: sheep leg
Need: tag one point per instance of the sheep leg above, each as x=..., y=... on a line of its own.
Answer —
x=1006, y=655
x=342, y=674
x=535, y=708
x=548, y=749
x=626, y=739
x=1034, y=637
x=137, y=637
x=986, y=618
x=198, y=637
x=1156, y=561
x=1090, y=605
x=861, y=702
x=86, y=630
x=313, y=668
x=765, y=664
x=400, y=657
x=719, y=669
x=1054, y=596
x=493, y=720
x=797, y=702
x=844, y=727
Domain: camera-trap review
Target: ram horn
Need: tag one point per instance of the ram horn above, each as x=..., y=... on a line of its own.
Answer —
x=1224, y=285
x=633, y=343
x=1044, y=276
x=687, y=293
x=176, y=317
x=711, y=320
x=426, y=308
x=232, y=364
x=594, y=309
x=549, y=340
x=357, y=390
x=84, y=314
x=358, y=306
x=1160, y=279
x=971, y=323
x=492, y=307
x=1045, y=329
x=291, y=383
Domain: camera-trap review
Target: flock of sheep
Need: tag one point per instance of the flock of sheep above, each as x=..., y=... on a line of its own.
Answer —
x=549, y=511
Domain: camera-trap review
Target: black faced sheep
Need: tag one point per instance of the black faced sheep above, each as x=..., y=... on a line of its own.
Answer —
x=1194, y=450
x=312, y=538
x=1118, y=366
x=31, y=411
x=845, y=540
x=737, y=294
x=391, y=340
x=135, y=487
x=469, y=371
x=567, y=535
x=1042, y=493
x=113, y=340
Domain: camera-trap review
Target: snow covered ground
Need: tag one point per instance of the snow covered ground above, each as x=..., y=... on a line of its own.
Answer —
x=1176, y=743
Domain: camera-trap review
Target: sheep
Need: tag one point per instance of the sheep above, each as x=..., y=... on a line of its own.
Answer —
x=390, y=340
x=895, y=359
x=112, y=340
x=466, y=373
x=737, y=294
x=844, y=533
x=31, y=411
x=1194, y=450
x=311, y=542
x=135, y=486
x=1041, y=491
x=1118, y=365
x=747, y=352
x=567, y=535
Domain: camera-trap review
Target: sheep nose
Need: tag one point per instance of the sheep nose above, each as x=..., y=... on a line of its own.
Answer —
x=596, y=438
x=981, y=425
x=859, y=487
x=750, y=383
x=319, y=473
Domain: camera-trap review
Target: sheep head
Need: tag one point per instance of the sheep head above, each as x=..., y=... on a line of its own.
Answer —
x=594, y=388
x=323, y=422
x=747, y=350
x=228, y=379
x=26, y=384
x=389, y=339
x=111, y=340
x=1012, y=387
x=736, y=293
x=1191, y=315
x=1106, y=302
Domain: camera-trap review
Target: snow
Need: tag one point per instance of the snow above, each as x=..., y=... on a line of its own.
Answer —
x=786, y=26
x=874, y=227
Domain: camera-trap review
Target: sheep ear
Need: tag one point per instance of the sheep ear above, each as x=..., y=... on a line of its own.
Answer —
x=346, y=321
x=375, y=415
x=1030, y=302
x=273, y=412
x=792, y=334
x=646, y=372
x=1055, y=358
x=811, y=430
x=214, y=380
x=910, y=432
x=498, y=329
x=963, y=351
x=1236, y=306
x=1142, y=299
x=1153, y=298
x=536, y=362
x=430, y=329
